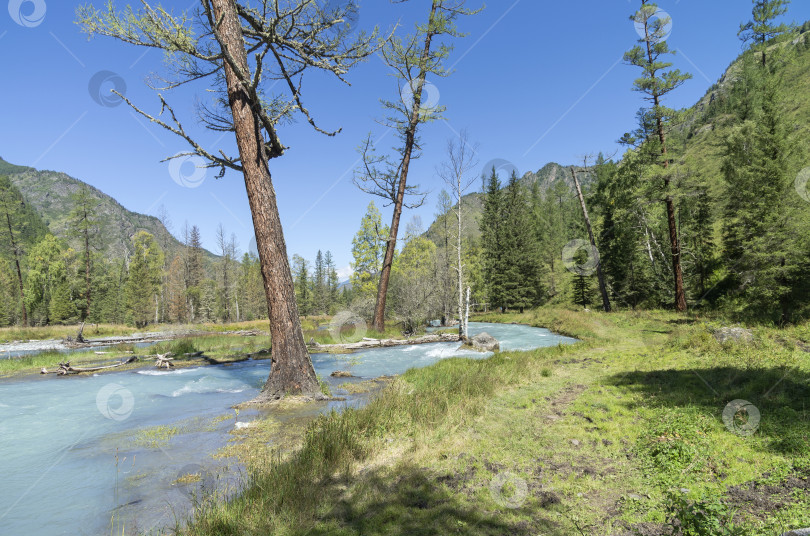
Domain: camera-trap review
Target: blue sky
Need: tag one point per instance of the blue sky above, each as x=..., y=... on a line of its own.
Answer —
x=535, y=81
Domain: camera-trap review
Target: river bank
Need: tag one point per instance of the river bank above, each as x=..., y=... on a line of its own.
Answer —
x=128, y=445
x=623, y=433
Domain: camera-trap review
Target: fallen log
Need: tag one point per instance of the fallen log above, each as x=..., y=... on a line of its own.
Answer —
x=385, y=343
x=66, y=368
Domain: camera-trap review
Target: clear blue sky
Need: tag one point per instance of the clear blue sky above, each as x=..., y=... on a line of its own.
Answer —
x=535, y=81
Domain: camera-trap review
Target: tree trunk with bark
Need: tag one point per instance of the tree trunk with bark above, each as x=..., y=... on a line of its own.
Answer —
x=675, y=246
x=599, y=274
x=410, y=139
x=19, y=271
x=291, y=367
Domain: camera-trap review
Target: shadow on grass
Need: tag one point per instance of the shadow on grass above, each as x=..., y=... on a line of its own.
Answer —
x=781, y=395
x=412, y=502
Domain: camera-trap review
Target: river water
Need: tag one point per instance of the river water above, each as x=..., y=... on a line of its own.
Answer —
x=72, y=462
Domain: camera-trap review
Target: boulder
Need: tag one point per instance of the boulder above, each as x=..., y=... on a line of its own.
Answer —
x=797, y=532
x=342, y=374
x=483, y=342
x=737, y=335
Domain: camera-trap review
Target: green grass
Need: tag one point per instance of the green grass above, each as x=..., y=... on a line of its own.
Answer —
x=592, y=438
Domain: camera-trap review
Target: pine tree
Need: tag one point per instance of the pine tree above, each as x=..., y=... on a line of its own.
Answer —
x=300, y=269
x=83, y=224
x=656, y=82
x=194, y=270
x=519, y=264
x=333, y=282
x=412, y=59
x=145, y=267
x=368, y=250
x=763, y=237
x=762, y=27
x=319, y=285
x=492, y=243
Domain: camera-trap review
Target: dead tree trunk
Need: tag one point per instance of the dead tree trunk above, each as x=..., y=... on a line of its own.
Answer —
x=599, y=274
x=19, y=272
x=291, y=367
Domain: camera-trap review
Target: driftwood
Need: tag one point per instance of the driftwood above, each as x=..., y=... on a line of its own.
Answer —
x=66, y=368
x=384, y=343
x=164, y=361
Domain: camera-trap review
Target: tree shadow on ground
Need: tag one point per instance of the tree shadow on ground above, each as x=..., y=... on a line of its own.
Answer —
x=411, y=501
x=781, y=395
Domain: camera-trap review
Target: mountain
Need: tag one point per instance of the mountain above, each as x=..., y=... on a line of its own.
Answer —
x=700, y=137
x=473, y=204
x=48, y=193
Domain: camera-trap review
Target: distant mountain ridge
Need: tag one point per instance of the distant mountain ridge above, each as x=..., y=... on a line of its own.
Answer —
x=473, y=203
x=48, y=192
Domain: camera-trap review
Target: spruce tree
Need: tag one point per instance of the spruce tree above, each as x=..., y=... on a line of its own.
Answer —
x=145, y=267
x=83, y=225
x=492, y=244
x=519, y=264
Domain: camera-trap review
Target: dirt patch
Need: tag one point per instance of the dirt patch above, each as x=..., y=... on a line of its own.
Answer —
x=564, y=399
x=759, y=500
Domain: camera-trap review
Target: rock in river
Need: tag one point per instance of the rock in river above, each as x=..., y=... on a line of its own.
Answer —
x=483, y=342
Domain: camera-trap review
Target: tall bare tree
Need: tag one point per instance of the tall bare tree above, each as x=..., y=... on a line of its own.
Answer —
x=599, y=274
x=456, y=173
x=242, y=48
x=412, y=59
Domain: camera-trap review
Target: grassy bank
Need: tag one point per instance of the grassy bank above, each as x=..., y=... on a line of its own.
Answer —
x=616, y=435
